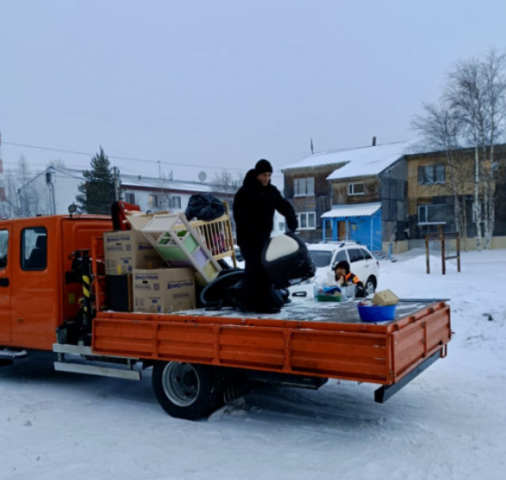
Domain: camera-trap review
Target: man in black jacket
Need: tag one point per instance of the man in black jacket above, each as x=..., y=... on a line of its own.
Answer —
x=254, y=206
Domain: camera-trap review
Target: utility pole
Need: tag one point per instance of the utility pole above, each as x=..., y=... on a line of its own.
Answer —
x=50, y=180
x=115, y=173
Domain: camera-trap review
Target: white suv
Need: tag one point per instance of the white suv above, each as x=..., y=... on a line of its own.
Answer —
x=326, y=255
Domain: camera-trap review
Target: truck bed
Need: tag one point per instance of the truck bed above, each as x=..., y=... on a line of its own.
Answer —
x=307, y=338
x=313, y=311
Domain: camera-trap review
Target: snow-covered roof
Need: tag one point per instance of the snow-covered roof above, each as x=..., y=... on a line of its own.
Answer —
x=356, y=210
x=319, y=159
x=139, y=181
x=362, y=161
x=151, y=183
x=369, y=160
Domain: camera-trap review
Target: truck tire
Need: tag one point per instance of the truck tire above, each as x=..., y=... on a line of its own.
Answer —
x=186, y=390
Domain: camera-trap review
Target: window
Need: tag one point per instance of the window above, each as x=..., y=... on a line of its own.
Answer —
x=355, y=255
x=4, y=248
x=153, y=200
x=431, y=174
x=175, y=203
x=356, y=188
x=34, y=248
x=431, y=214
x=307, y=220
x=303, y=186
x=321, y=258
x=366, y=254
x=130, y=198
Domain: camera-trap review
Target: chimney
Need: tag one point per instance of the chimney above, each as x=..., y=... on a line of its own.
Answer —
x=373, y=141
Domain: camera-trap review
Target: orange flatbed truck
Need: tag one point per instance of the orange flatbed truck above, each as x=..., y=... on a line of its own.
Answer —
x=53, y=298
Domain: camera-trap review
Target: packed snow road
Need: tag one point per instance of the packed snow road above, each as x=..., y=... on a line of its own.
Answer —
x=446, y=424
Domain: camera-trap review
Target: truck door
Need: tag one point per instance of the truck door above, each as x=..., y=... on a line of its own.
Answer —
x=35, y=305
x=5, y=284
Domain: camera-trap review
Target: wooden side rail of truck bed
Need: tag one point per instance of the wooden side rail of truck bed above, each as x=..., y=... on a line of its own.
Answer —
x=354, y=351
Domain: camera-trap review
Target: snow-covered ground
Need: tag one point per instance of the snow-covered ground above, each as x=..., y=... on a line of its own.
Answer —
x=449, y=423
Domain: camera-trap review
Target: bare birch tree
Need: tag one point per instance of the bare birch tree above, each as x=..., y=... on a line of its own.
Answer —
x=441, y=130
x=471, y=113
x=57, y=163
x=20, y=199
x=10, y=206
x=225, y=182
x=477, y=95
x=28, y=197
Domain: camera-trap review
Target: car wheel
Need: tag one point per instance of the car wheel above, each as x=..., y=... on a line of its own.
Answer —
x=370, y=286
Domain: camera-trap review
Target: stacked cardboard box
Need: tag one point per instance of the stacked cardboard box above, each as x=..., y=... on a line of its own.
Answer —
x=164, y=290
x=126, y=250
x=148, y=287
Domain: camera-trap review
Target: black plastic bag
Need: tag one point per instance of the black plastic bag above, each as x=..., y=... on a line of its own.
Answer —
x=204, y=206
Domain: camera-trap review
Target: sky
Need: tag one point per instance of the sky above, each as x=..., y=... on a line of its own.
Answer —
x=200, y=86
x=446, y=424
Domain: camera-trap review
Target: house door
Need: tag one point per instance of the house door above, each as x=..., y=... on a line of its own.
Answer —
x=5, y=285
x=341, y=231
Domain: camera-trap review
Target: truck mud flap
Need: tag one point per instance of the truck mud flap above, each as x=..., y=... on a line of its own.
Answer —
x=382, y=394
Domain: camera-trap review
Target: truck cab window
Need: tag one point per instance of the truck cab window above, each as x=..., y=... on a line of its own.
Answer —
x=34, y=248
x=4, y=248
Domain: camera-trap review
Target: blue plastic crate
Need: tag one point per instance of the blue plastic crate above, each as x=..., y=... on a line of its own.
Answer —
x=375, y=313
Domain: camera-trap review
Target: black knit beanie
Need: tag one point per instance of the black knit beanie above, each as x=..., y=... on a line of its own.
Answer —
x=263, y=166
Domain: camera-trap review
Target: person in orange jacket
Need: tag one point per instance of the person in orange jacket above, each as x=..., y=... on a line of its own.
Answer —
x=343, y=277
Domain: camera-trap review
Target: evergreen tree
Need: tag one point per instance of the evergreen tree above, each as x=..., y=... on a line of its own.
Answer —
x=97, y=193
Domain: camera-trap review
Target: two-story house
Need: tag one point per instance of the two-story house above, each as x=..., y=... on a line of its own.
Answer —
x=307, y=188
x=366, y=194
x=435, y=185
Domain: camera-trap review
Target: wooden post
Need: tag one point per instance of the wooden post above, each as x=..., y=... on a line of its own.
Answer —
x=458, y=253
x=443, y=258
x=427, y=259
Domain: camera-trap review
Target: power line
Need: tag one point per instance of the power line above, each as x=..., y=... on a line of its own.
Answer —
x=129, y=159
x=126, y=158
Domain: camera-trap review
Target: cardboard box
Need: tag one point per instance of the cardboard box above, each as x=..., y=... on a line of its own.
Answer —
x=127, y=250
x=384, y=298
x=164, y=290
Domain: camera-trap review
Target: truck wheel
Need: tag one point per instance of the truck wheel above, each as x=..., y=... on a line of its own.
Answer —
x=370, y=286
x=186, y=390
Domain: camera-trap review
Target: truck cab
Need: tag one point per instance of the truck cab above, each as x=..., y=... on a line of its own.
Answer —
x=36, y=292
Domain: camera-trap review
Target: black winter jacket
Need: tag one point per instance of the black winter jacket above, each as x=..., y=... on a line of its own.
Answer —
x=254, y=207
